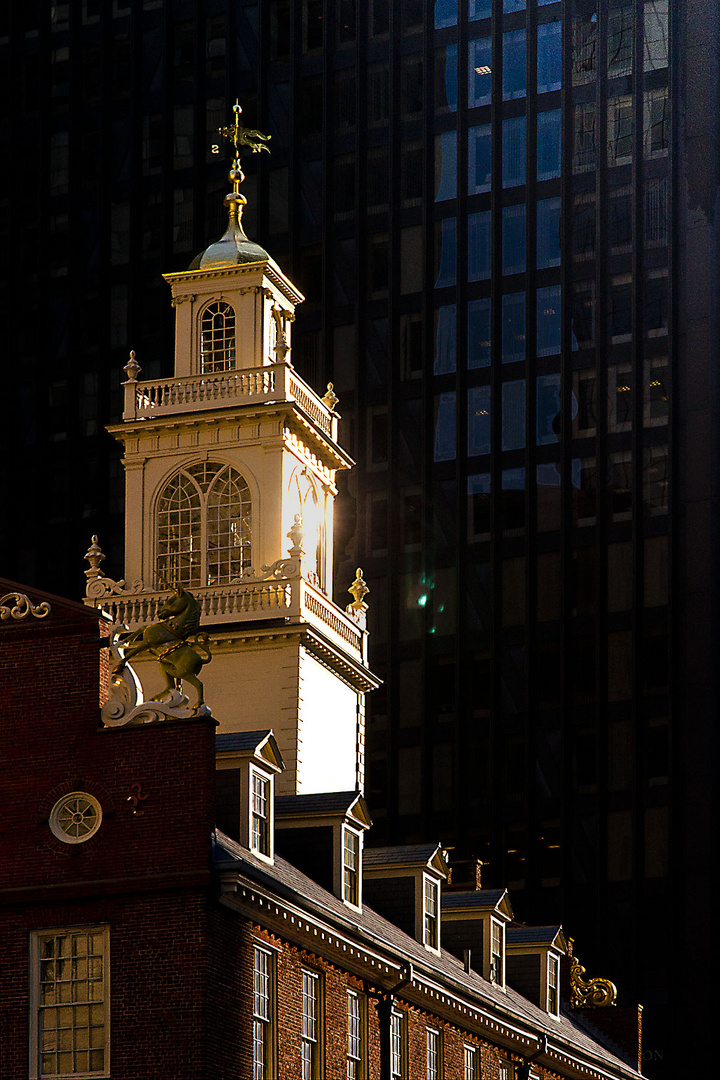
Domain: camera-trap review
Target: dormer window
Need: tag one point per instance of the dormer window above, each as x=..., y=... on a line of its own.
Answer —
x=260, y=840
x=351, y=867
x=497, y=974
x=217, y=338
x=430, y=913
x=553, y=979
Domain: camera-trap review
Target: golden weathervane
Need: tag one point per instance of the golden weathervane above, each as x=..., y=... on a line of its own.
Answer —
x=240, y=137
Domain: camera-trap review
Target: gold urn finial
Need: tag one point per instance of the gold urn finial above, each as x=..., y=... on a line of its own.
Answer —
x=94, y=556
x=330, y=398
x=358, y=590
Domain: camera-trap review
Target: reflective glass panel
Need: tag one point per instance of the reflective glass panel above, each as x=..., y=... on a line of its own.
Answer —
x=513, y=5
x=548, y=409
x=446, y=79
x=479, y=9
x=548, y=321
x=656, y=34
x=445, y=13
x=548, y=233
x=479, y=158
x=513, y=239
x=549, y=57
x=445, y=335
x=479, y=333
x=445, y=166
x=445, y=426
x=445, y=252
x=479, y=72
x=479, y=422
x=513, y=415
x=513, y=76
x=479, y=246
x=548, y=144
x=513, y=152
x=513, y=327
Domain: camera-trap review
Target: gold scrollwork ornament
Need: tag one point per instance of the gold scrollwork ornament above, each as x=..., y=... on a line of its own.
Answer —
x=594, y=993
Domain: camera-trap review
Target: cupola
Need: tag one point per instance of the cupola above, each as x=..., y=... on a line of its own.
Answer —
x=230, y=468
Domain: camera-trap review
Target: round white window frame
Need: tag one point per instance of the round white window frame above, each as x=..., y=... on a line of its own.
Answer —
x=54, y=821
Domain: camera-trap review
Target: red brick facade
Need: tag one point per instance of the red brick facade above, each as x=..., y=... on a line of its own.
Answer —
x=181, y=959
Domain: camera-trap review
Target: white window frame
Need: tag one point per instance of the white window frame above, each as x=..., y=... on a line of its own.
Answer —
x=430, y=917
x=497, y=952
x=553, y=967
x=471, y=1062
x=264, y=1013
x=398, y=1045
x=357, y=1035
x=433, y=1053
x=264, y=852
x=311, y=1031
x=351, y=883
x=39, y=1008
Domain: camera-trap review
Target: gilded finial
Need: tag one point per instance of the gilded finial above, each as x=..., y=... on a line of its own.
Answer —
x=330, y=398
x=132, y=369
x=594, y=993
x=358, y=590
x=94, y=556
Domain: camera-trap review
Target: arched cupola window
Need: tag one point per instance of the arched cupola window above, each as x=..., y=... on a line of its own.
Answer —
x=204, y=517
x=217, y=338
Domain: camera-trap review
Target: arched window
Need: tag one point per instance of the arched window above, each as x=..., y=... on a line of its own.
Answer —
x=203, y=526
x=217, y=338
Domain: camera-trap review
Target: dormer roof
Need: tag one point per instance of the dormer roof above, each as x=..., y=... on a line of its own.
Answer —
x=478, y=902
x=408, y=856
x=260, y=745
x=323, y=805
x=541, y=936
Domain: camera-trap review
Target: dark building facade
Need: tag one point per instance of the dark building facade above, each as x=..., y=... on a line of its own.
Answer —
x=503, y=217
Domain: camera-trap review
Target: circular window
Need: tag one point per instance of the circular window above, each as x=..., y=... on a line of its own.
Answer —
x=76, y=817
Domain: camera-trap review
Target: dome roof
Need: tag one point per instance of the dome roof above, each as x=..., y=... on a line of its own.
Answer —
x=233, y=249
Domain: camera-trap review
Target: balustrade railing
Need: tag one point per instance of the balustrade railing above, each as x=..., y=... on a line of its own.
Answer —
x=276, y=382
x=292, y=598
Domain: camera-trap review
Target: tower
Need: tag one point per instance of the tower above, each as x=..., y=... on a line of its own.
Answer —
x=230, y=472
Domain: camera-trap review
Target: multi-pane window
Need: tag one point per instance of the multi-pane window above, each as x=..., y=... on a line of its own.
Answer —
x=203, y=526
x=70, y=1003
x=553, y=979
x=431, y=891
x=262, y=1014
x=356, y=1036
x=310, y=1045
x=217, y=338
x=433, y=1054
x=496, y=952
x=398, y=1046
x=351, y=866
x=471, y=1069
x=260, y=841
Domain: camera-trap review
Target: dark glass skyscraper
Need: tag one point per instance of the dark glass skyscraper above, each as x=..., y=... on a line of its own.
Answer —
x=503, y=215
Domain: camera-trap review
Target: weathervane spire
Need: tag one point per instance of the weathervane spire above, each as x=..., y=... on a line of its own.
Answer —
x=241, y=137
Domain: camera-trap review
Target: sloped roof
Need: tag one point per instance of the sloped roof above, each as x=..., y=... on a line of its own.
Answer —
x=323, y=803
x=405, y=855
x=535, y=935
x=260, y=743
x=286, y=883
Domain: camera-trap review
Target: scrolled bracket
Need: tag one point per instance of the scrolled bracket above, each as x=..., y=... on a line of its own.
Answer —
x=18, y=606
